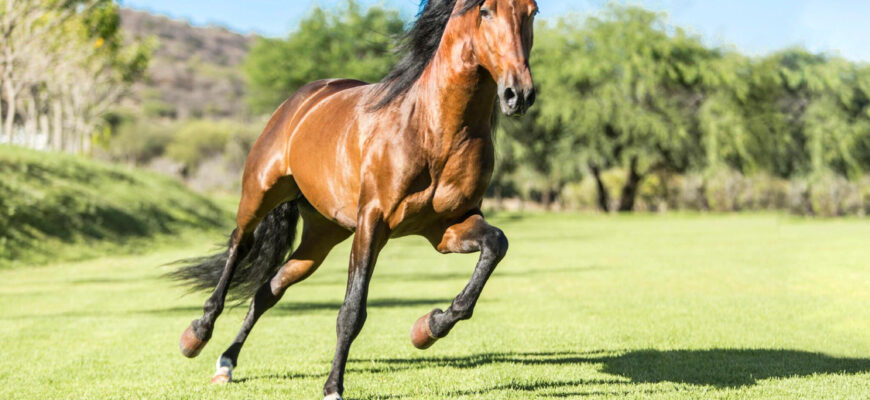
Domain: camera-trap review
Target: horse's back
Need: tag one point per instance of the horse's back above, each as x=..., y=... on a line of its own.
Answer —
x=270, y=150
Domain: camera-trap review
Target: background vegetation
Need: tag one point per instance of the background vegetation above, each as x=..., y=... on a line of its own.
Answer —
x=634, y=114
x=685, y=125
x=64, y=64
x=65, y=207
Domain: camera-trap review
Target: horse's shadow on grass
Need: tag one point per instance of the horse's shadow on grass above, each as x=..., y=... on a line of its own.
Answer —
x=718, y=368
x=727, y=367
x=721, y=368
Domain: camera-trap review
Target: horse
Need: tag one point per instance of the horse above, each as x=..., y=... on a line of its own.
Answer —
x=410, y=155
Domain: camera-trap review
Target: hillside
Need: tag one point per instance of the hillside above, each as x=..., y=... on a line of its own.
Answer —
x=195, y=71
x=55, y=206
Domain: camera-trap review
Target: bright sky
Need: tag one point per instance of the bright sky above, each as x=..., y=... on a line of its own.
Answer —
x=753, y=26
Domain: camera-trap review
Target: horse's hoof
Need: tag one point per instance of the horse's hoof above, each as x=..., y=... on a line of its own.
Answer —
x=421, y=336
x=334, y=396
x=190, y=345
x=221, y=378
x=224, y=373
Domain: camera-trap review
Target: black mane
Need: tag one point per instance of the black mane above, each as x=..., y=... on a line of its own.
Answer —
x=420, y=44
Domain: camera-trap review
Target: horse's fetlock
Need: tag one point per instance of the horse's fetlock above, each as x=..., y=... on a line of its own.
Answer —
x=496, y=242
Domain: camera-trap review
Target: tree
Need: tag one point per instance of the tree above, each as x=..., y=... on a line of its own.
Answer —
x=625, y=87
x=66, y=62
x=349, y=42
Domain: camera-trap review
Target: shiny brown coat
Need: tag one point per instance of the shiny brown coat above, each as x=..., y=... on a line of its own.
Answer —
x=418, y=166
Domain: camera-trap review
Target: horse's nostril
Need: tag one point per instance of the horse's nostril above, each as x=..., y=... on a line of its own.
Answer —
x=510, y=96
x=530, y=99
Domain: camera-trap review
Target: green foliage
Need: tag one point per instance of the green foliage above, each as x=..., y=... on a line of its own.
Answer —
x=628, y=102
x=198, y=140
x=347, y=43
x=728, y=190
x=625, y=90
x=138, y=141
x=102, y=27
x=50, y=202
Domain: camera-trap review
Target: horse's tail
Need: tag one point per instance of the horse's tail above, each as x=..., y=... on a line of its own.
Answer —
x=270, y=248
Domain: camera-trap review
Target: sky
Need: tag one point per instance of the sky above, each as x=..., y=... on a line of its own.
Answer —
x=754, y=27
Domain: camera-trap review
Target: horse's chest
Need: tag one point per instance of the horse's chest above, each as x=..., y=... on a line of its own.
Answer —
x=463, y=180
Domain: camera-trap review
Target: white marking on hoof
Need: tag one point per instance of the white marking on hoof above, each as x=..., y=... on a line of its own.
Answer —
x=333, y=396
x=224, y=373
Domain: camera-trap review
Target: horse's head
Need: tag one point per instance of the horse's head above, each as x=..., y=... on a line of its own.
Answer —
x=503, y=34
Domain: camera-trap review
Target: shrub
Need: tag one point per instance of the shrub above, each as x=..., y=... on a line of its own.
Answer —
x=582, y=195
x=724, y=189
x=765, y=192
x=139, y=142
x=686, y=192
x=864, y=193
x=652, y=194
x=200, y=140
x=832, y=195
x=798, y=197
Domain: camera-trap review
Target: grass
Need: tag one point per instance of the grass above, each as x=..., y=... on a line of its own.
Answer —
x=653, y=307
x=61, y=207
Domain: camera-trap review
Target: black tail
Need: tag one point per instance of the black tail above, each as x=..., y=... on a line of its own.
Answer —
x=263, y=256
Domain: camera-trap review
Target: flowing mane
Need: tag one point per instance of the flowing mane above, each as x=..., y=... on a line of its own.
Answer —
x=419, y=45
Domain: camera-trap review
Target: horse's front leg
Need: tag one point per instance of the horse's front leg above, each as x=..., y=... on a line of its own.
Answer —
x=371, y=235
x=471, y=235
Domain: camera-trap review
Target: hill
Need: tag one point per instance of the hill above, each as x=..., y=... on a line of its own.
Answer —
x=55, y=206
x=195, y=71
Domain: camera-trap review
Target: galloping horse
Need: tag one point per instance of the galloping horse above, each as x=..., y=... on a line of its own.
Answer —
x=411, y=155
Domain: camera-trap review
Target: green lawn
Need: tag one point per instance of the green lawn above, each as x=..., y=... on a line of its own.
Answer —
x=677, y=306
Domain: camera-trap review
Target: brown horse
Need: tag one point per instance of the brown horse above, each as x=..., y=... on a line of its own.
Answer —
x=411, y=155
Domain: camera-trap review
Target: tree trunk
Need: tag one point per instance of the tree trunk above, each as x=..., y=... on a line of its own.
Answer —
x=30, y=121
x=547, y=198
x=10, y=112
x=57, y=125
x=603, y=196
x=42, y=126
x=629, y=190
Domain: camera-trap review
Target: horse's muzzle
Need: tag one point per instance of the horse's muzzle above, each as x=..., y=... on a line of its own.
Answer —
x=516, y=99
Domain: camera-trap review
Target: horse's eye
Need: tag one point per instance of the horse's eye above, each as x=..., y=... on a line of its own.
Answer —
x=485, y=12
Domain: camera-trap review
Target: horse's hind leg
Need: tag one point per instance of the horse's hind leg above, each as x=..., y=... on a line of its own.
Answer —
x=468, y=236
x=319, y=236
x=197, y=335
x=256, y=202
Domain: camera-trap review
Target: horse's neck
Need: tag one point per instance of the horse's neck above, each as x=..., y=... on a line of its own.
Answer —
x=455, y=96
